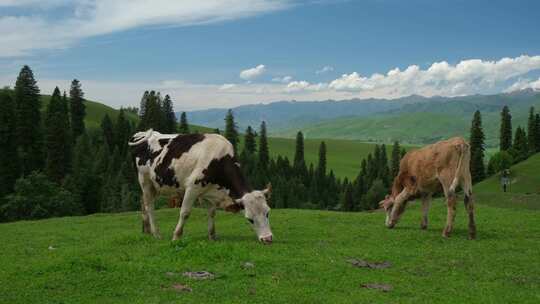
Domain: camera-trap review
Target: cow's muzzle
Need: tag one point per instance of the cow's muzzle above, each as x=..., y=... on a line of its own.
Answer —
x=267, y=240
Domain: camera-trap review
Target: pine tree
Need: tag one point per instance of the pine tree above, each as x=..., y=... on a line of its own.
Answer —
x=169, y=118
x=108, y=132
x=184, y=127
x=264, y=154
x=152, y=113
x=299, y=161
x=9, y=160
x=396, y=158
x=77, y=109
x=506, y=129
x=142, y=107
x=250, y=146
x=537, y=137
x=28, y=117
x=231, y=132
x=520, y=145
x=348, y=201
x=122, y=131
x=384, y=171
x=321, y=176
x=478, y=171
x=57, y=137
x=531, y=132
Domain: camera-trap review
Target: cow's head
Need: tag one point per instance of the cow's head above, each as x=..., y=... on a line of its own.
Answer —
x=387, y=204
x=257, y=212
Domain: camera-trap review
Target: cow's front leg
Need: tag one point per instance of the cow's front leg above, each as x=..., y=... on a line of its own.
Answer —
x=148, y=214
x=189, y=197
x=211, y=223
x=397, y=209
x=426, y=200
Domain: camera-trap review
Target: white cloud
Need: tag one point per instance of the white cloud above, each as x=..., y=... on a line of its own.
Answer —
x=466, y=77
x=324, y=70
x=523, y=84
x=21, y=34
x=297, y=86
x=227, y=86
x=284, y=79
x=253, y=73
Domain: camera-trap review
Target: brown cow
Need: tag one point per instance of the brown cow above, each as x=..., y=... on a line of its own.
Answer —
x=422, y=172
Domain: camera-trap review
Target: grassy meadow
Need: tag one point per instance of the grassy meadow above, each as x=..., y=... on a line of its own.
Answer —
x=105, y=259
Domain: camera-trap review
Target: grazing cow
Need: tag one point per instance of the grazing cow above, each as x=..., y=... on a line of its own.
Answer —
x=424, y=171
x=196, y=167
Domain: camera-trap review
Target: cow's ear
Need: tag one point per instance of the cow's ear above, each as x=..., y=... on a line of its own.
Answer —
x=234, y=208
x=268, y=191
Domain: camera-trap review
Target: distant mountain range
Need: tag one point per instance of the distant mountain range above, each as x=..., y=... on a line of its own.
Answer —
x=413, y=119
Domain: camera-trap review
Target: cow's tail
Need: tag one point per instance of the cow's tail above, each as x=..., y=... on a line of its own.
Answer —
x=464, y=156
x=140, y=137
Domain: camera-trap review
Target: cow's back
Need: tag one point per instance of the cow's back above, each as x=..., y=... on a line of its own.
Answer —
x=172, y=162
x=425, y=164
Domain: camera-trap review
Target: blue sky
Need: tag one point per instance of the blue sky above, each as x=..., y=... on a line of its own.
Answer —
x=302, y=50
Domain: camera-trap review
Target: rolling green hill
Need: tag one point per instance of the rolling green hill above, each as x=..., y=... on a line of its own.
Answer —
x=343, y=156
x=524, y=190
x=427, y=122
x=105, y=259
x=95, y=112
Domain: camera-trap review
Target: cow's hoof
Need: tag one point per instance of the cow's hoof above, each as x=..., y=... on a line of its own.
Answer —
x=423, y=226
x=157, y=236
x=472, y=236
x=212, y=237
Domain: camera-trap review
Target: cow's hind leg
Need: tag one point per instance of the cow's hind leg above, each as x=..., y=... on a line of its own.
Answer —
x=211, y=223
x=426, y=200
x=451, y=211
x=469, y=205
x=189, y=197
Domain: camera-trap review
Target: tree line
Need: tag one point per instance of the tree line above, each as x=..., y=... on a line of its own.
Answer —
x=52, y=165
x=514, y=147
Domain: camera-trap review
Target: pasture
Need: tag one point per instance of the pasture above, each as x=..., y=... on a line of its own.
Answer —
x=105, y=259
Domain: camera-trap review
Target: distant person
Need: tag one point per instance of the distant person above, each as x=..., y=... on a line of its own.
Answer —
x=505, y=179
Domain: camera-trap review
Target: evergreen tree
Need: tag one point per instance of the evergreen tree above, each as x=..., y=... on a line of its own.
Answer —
x=299, y=161
x=250, y=146
x=122, y=131
x=57, y=139
x=152, y=113
x=537, y=136
x=348, y=201
x=506, y=129
x=142, y=107
x=321, y=167
x=169, y=118
x=264, y=154
x=28, y=117
x=184, y=127
x=231, y=132
x=108, y=132
x=477, y=138
x=396, y=158
x=77, y=109
x=520, y=145
x=9, y=160
x=384, y=171
x=531, y=131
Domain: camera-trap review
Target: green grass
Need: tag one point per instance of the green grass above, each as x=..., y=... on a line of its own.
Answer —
x=524, y=190
x=105, y=259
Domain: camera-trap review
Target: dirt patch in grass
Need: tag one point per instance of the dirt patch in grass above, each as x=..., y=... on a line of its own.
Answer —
x=372, y=265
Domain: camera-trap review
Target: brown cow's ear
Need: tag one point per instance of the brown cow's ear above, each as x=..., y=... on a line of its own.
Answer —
x=268, y=191
x=234, y=208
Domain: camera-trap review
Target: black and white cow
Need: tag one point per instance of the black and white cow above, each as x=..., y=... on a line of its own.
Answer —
x=198, y=167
